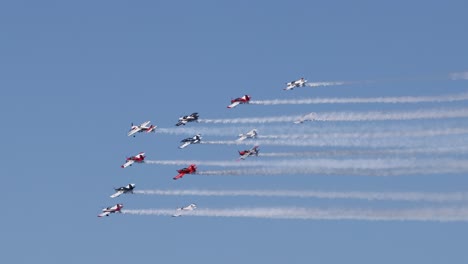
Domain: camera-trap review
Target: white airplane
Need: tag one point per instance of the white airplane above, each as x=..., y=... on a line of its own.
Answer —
x=251, y=134
x=124, y=189
x=141, y=128
x=139, y=158
x=191, y=140
x=250, y=152
x=308, y=117
x=180, y=210
x=110, y=210
x=298, y=83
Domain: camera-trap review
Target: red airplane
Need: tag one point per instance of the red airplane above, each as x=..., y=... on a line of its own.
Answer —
x=111, y=209
x=249, y=152
x=240, y=100
x=140, y=157
x=189, y=170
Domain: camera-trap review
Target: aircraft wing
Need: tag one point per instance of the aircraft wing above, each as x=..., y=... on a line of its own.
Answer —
x=128, y=163
x=242, y=137
x=289, y=86
x=244, y=156
x=178, y=212
x=181, y=122
x=179, y=176
x=185, y=144
x=145, y=124
x=104, y=214
x=233, y=105
x=133, y=131
x=117, y=194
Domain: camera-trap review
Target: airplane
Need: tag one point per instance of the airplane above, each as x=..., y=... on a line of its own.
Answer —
x=191, y=140
x=251, y=134
x=298, y=83
x=124, y=189
x=250, y=152
x=139, y=158
x=141, y=128
x=308, y=117
x=180, y=210
x=188, y=118
x=240, y=100
x=110, y=210
x=189, y=170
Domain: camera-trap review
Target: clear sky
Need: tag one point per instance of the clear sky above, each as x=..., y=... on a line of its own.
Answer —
x=75, y=74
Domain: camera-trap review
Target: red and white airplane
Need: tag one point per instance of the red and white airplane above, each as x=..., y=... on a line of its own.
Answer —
x=139, y=158
x=251, y=134
x=249, y=152
x=110, y=210
x=141, y=128
x=240, y=100
x=180, y=210
x=298, y=83
x=189, y=170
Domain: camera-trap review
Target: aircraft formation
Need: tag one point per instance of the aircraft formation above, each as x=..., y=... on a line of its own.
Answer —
x=147, y=127
x=254, y=139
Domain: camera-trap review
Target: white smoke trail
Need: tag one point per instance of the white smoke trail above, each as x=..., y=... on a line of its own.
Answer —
x=350, y=116
x=329, y=141
x=217, y=131
x=370, y=196
x=370, y=152
x=444, y=214
x=253, y=120
x=415, y=133
x=459, y=75
x=329, y=128
x=206, y=163
x=427, y=167
x=318, y=164
x=305, y=163
x=382, y=116
x=390, y=100
x=319, y=84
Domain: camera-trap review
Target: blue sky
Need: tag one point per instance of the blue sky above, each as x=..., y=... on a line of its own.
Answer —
x=74, y=75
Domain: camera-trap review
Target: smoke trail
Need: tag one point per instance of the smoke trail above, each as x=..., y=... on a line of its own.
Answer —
x=310, y=165
x=459, y=76
x=350, y=116
x=444, y=214
x=370, y=152
x=375, y=142
x=415, y=133
x=427, y=167
x=382, y=116
x=390, y=100
x=206, y=163
x=305, y=163
x=370, y=196
x=318, y=84
x=329, y=128
x=217, y=131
